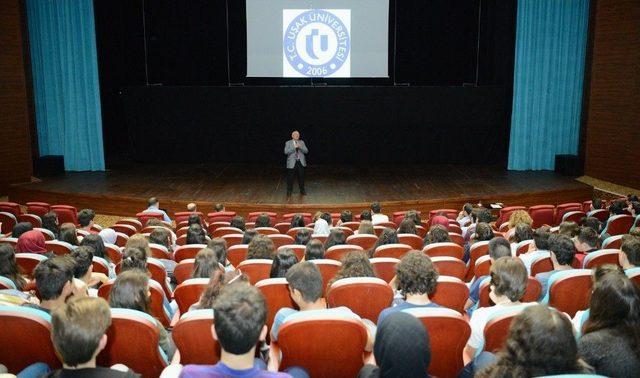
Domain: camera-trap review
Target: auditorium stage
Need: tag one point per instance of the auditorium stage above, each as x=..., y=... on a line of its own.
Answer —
x=124, y=189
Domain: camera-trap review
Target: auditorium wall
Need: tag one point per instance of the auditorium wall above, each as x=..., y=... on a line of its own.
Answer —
x=15, y=146
x=613, y=118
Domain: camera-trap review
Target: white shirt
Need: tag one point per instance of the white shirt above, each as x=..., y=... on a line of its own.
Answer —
x=481, y=317
x=379, y=218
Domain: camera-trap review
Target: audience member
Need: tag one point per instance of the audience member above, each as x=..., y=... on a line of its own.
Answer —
x=482, y=216
x=50, y=222
x=139, y=241
x=321, y=227
x=218, y=207
x=315, y=250
x=108, y=236
x=562, y=255
x=249, y=235
x=83, y=273
x=261, y=247
x=154, y=207
x=365, y=215
x=354, y=264
x=263, y=220
x=217, y=282
x=161, y=236
x=586, y=241
x=9, y=268
x=440, y=220
x=20, y=228
x=365, y=228
x=617, y=207
x=336, y=237
x=134, y=258
x=54, y=280
x=95, y=242
x=219, y=247
x=297, y=221
x=569, y=229
x=484, y=232
x=407, y=226
x=31, y=242
x=388, y=236
x=238, y=222
x=196, y=235
x=539, y=248
x=592, y=223
x=195, y=219
x=345, y=216
x=205, y=264
x=464, y=217
x=498, y=248
x=596, y=204
x=376, y=214
x=414, y=216
x=516, y=218
x=85, y=219
x=303, y=236
x=192, y=207
x=437, y=234
x=629, y=256
x=68, y=234
x=282, y=261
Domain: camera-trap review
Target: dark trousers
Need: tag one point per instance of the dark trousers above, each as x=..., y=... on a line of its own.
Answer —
x=298, y=170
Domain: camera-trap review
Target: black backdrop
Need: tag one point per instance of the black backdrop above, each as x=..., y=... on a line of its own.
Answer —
x=173, y=87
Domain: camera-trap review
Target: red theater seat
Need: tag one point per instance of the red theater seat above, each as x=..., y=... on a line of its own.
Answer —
x=396, y=251
x=183, y=270
x=144, y=217
x=187, y=251
x=541, y=215
x=619, y=224
x=276, y=294
x=267, y=231
x=328, y=269
x=570, y=292
x=233, y=239
x=477, y=249
x=272, y=216
x=184, y=216
x=613, y=242
x=414, y=241
x=294, y=231
x=131, y=222
x=280, y=240
x=451, y=293
x=188, y=292
x=221, y=216
x=564, y=208
x=445, y=249
x=365, y=241
x=28, y=262
x=66, y=214
x=113, y=253
x=601, y=257
x=237, y=253
x=38, y=208
x=33, y=219
x=532, y=294
x=157, y=300
x=298, y=249
x=306, y=216
x=573, y=216
x=449, y=266
x=256, y=269
x=7, y=222
x=193, y=338
x=365, y=296
x=159, y=251
x=11, y=208
x=506, y=212
x=337, y=252
x=384, y=267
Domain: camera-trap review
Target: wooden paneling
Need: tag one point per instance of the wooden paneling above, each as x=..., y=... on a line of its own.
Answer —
x=15, y=142
x=613, y=124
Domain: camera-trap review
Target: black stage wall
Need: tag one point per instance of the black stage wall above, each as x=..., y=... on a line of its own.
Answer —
x=174, y=88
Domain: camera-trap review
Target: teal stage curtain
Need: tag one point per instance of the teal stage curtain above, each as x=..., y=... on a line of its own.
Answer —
x=551, y=39
x=65, y=81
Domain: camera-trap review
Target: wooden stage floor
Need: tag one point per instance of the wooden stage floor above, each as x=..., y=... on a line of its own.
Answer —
x=123, y=190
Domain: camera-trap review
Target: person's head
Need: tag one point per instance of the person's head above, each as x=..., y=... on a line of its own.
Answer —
x=596, y=204
x=336, y=237
x=354, y=264
x=635, y=208
x=401, y=347
x=31, y=241
x=282, y=262
x=376, y=208
x=54, y=278
x=540, y=343
x=95, y=241
x=541, y=238
x=263, y=220
x=593, y=223
x=632, y=198
x=153, y=202
x=160, y=236
x=414, y=216
x=134, y=258
x=562, y=249
x=297, y=220
x=303, y=236
x=131, y=290
x=139, y=241
x=416, y=274
x=248, y=235
x=219, y=247
x=218, y=280
x=388, y=236
x=20, y=228
x=630, y=253
x=314, y=250
x=499, y=247
x=305, y=283
x=327, y=218
x=295, y=135
x=365, y=215
x=635, y=232
x=617, y=207
x=467, y=209
x=83, y=259
x=192, y=207
x=366, y=228
x=205, y=264
x=440, y=220
x=9, y=267
x=519, y=216
x=50, y=222
x=238, y=222
x=153, y=222
x=85, y=218
x=196, y=235
x=346, y=216
x=78, y=329
x=586, y=240
x=482, y=216
x=569, y=229
x=509, y=279
x=261, y=247
x=241, y=313
x=407, y=226
x=194, y=219
x=108, y=235
x=218, y=207
x=437, y=234
x=523, y=232
x=483, y=232
x=68, y=233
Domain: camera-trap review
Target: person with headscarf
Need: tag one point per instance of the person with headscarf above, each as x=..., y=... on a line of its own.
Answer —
x=31, y=242
x=401, y=349
x=108, y=236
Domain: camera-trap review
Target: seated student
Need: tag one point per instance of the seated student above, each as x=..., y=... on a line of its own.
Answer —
x=217, y=282
x=562, y=254
x=376, y=214
x=20, y=228
x=440, y=220
x=437, y=234
x=32, y=242
x=297, y=221
x=629, y=256
x=611, y=337
x=634, y=208
x=569, y=229
x=365, y=228
x=498, y=247
x=9, y=268
x=365, y=215
x=78, y=332
x=593, y=223
x=585, y=242
x=154, y=207
x=108, y=235
x=218, y=207
x=248, y=236
x=192, y=207
x=540, y=247
x=414, y=216
x=219, y=247
x=263, y=220
x=401, y=349
x=305, y=287
x=345, y=216
x=69, y=234
x=464, y=216
x=322, y=225
x=205, y=264
x=54, y=280
x=50, y=222
x=131, y=290
x=261, y=247
x=161, y=236
x=596, y=204
x=95, y=242
x=303, y=237
x=83, y=273
x=314, y=250
x=388, y=236
x=241, y=314
x=238, y=222
x=196, y=235
x=484, y=232
x=540, y=343
x=416, y=279
x=482, y=216
x=522, y=232
x=282, y=262
x=85, y=220
x=336, y=237
x=508, y=285
x=354, y=264
x=516, y=218
x=407, y=226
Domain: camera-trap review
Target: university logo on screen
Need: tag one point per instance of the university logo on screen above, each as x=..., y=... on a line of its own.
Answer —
x=316, y=42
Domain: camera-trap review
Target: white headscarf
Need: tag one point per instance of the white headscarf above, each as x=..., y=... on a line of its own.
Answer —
x=321, y=227
x=108, y=235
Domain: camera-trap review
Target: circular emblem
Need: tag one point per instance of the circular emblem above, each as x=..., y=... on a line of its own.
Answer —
x=316, y=43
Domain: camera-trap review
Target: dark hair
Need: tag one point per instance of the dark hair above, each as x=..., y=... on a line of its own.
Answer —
x=134, y=258
x=8, y=266
x=483, y=216
x=52, y=274
x=218, y=207
x=282, y=261
x=95, y=241
x=241, y=313
x=196, y=235
x=375, y=207
x=297, y=220
x=388, y=236
x=569, y=229
x=635, y=205
x=468, y=208
x=509, y=278
x=437, y=234
x=303, y=236
x=631, y=248
x=365, y=215
x=596, y=203
x=130, y=291
x=194, y=219
x=306, y=278
x=261, y=247
x=523, y=232
x=632, y=198
x=336, y=237
x=541, y=238
x=617, y=207
x=416, y=274
x=589, y=236
x=407, y=226
x=219, y=247
x=562, y=247
x=205, y=264
x=68, y=234
x=499, y=247
x=346, y=216
x=161, y=236
x=483, y=232
x=20, y=228
x=85, y=216
x=315, y=250
x=593, y=223
x=540, y=343
x=249, y=235
x=83, y=257
x=414, y=216
x=153, y=201
x=50, y=222
x=263, y=220
x=238, y=222
x=354, y=264
x=327, y=217
x=219, y=279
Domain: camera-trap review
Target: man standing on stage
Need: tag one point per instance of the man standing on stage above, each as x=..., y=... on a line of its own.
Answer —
x=295, y=149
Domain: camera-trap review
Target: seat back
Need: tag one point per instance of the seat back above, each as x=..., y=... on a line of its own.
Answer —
x=188, y=292
x=449, y=213
x=66, y=213
x=352, y=225
x=126, y=229
x=237, y=253
x=448, y=335
x=159, y=273
x=328, y=269
x=564, y=208
x=58, y=247
x=157, y=300
x=365, y=296
x=121, y=239
x=216, y=225
x=132, y=340
x=396, y=251
x=496, y=330
x=455, y=238
x=38, y=208
x=294, y=231
x=414, y=241
x=254, y=215
x=159, y=251
x=634, y=275
x=7, y=222
x=183, y=270
x=33, y=219
x=48, y=235
x=384, y=267
x=337, y=252
x=541, y=215
x=612, y=242
x=267, y=231
x=220, y=216
x=541, y=264
x=189, y=251
x=276, y=295
x=483, y=266
x=601, y=214
x=451, y=293
x=11, y=207
x=233, y=239
x=256, y=269
x=476, y=250
x=619, y=224
x=11, y=241
x=279, y=240
x=184, y=216
x=144, y=217
x=570, y=291
x=449, y=266
x=131, y=222
x=573, y=216
x=100, y=265
x=601, y=257
x=282, y=227
x=306, y=216
x=6, y=284
x=298, y=249
x=113, y=252
x=28, y=262
x=315, y=345
x=26, y=335
x=445, y=249
x=365, y=241
x=193, y=338
x=523, y=247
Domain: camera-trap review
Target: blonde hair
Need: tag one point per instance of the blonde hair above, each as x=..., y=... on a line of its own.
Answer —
x=519, y=216
x=366, y=227
x=139, y=241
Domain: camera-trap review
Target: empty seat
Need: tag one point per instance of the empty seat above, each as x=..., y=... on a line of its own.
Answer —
x=365, y=296
x=279, y=240
x=282, y=227
x=564, y=208
x=188, y=292
x=451, y=293
x=449, y=266
x=618, y=225
x=256, y=269
x=131, y=222
x=542, y=215
x=11, y=208
x=569, y=290
x=445, y=249
x=396, y=251
x=183, y=270
x=365, y=241
x=38, y=208
x=66, y=213
x=187, y=251
x=337, y=252
x=601, y=257
x=220, y=216
x=7, y=222
x=216, y=225
x=384, y=267
x=414, y=241
x=276, y=295
x=613, y=242
x=193, y=338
